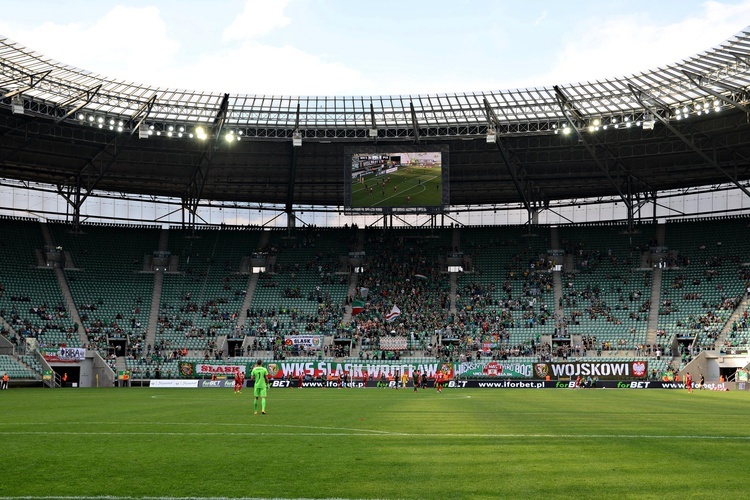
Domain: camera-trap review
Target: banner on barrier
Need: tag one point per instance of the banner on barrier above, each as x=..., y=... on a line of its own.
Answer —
x=371, y=370
x=504, y=369
x=454, y=384
x=217, y=384
x=309, y=341
x=183, y=384
x=612, y=370
x=64, y=354
x=188, y=369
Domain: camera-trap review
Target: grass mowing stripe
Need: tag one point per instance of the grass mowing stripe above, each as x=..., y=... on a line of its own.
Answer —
x=110, y=497
x=378, y=435
x=123, y=444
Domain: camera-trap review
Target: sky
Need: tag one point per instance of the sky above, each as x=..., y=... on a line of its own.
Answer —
x=369, y=47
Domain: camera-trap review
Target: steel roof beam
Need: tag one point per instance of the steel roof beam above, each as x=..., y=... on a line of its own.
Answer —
x=194, y=189
x=504, y=154
x=567, y=108
x=414, y=123
x=221, y=117
x=643, y=96
x=34, y=81
x=140, y=116
x=90, y=94
x=698, y=81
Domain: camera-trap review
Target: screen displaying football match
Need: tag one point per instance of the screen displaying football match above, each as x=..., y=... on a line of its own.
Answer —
x=397, y=178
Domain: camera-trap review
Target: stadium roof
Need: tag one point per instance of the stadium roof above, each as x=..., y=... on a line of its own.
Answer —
x=680, y=125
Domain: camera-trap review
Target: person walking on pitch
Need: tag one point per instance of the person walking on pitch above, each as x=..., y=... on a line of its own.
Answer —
x=259, y=374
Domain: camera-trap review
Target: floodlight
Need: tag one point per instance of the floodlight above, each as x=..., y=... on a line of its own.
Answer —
x=144, y=131
x=16, y=105
x=491, y=134
x=296, y=139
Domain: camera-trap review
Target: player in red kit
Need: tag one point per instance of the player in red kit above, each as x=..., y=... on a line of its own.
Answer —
x=239, y=380
x=439, y=378
x=689, y=382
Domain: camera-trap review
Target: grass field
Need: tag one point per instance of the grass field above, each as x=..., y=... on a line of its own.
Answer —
x=373, y=443
x=421, y=185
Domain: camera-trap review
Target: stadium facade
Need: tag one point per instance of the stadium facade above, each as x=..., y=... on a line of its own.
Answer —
x=666, y=144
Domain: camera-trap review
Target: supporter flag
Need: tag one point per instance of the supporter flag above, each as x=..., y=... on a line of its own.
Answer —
x=357, y=307
x=421, y=277
x=395, y=313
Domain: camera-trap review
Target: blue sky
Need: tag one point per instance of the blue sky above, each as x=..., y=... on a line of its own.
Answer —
x=365, y=47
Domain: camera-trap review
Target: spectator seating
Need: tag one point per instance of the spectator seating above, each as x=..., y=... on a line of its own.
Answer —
x=112, y=294
x=30, y=297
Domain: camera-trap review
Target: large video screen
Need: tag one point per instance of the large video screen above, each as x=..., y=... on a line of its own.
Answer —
x=397, y=178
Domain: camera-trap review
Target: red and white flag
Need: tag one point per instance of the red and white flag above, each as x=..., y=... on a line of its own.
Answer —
x=395, y=313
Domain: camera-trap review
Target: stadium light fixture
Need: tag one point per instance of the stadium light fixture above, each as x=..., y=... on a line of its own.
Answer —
x=200, y=133
x=229, y=137
x=144, y=131
x=16, y=105
x=648, y=121
x=296, y=139
x=491, y=135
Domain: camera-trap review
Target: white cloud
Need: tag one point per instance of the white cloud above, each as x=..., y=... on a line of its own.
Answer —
x=134, y=44
x=258, y=18
x=635, y=43
x=540, y=18
x=255, y=68
x=127, y=42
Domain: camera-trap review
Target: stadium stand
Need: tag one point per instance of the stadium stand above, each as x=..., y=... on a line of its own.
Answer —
x=110, y=289
x=607, y=296
x=30, y=297
x=501, y=307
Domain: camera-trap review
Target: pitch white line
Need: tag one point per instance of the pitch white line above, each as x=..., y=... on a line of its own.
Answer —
x=217, y=424
x=111, y=497
x=364, y=432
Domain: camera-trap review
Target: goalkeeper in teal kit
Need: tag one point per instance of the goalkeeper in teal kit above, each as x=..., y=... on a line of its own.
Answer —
x=259, y=374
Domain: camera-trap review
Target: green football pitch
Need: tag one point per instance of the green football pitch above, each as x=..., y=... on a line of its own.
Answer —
x=373, y=443
x=412, y=186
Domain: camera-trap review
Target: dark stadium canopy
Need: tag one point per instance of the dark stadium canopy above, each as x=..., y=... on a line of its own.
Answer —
x=677, y=126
